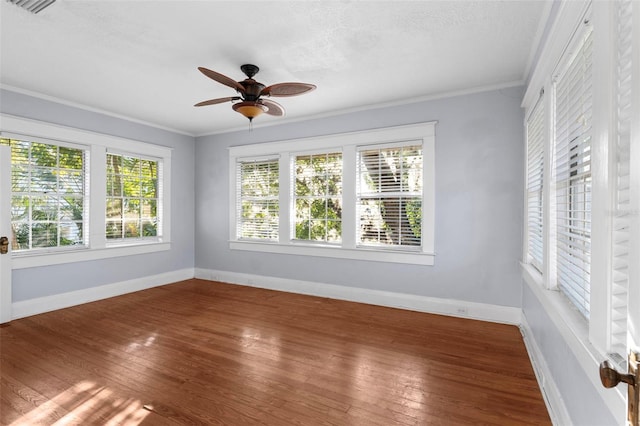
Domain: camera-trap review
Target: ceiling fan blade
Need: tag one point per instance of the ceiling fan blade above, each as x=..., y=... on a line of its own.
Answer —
x=217, y=101
x=274, y=107
x=222, y=79
x=287, y=89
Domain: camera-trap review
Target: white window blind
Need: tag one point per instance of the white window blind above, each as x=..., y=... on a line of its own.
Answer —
x=573, y=118
x=621, y=218
x=257, y=195
x=318, y=197
x=389, y=196
x=535, y=170
x=133, y=197
x=49, y=203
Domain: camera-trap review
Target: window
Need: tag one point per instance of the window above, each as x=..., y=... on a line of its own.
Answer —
x=48, y=207
x=534, y=182
x=318, y=197
x=258, y=204
x=573, y=112
x=588, y=202
x=365, y=195
x=389, y=196
x=132, y=197
x=80, y=195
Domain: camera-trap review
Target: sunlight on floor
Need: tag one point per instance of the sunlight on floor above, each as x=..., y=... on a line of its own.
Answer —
x=148, y=341
x=86, y=403
x=255, y=343
x=404, y=377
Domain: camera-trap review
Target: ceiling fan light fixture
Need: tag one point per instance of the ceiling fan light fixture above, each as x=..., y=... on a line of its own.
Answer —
x=250, y=109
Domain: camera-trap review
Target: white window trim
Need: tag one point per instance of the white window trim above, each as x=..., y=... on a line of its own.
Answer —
x=347, y=143
x=97, y=144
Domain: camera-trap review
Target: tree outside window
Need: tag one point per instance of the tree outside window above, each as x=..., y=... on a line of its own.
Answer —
x=318, y=197
x=48, y=195
x=132, y=197
x=390, y=196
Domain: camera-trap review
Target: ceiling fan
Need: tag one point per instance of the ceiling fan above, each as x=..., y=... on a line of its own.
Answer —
x=252, y=93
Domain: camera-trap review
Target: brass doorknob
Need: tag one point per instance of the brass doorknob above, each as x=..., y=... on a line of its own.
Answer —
x=610, y=377
x=4, y=245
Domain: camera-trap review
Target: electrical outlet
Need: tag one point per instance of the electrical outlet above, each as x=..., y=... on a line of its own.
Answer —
x=462, y=311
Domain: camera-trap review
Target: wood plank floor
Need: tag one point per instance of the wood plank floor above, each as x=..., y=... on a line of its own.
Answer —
x=203, y=353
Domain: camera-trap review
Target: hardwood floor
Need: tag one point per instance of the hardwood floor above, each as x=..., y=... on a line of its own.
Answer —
x=202, y=353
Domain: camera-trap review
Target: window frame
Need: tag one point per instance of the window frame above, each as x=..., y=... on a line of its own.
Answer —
x=268, y=198
x=588, y=339
x=347, y=143
x=326, y=196
x=159, y=192
x=97, y=145
x=31, y=194
x=535, y=185
x=573, y=168
x=363, y=194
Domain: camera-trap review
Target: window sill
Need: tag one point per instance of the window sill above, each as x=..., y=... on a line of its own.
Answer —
x=33, y=260
x=373, y=255
x=560, y=311
x=575, y=331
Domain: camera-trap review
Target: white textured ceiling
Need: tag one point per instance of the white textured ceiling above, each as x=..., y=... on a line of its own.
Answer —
x=139, y=59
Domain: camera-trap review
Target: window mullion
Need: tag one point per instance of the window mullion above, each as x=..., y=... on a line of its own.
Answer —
x=349, y=197
x=428, y=195
x=549, y=222
x=285, y=198
x=97, y=196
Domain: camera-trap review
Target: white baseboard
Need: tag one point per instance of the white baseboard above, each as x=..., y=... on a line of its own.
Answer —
x=457, y=308
x=64, y=300
x=550, y=392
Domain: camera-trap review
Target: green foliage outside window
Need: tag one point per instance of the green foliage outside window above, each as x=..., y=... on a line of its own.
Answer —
x=132, y=197
x=47, y=206
x=389, y=196
x=318, y=197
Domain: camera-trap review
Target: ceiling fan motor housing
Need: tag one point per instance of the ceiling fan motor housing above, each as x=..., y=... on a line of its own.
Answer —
x=252, y=89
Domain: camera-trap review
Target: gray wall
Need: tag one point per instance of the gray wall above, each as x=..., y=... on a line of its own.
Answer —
x=479, y=163
x=45, y=281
